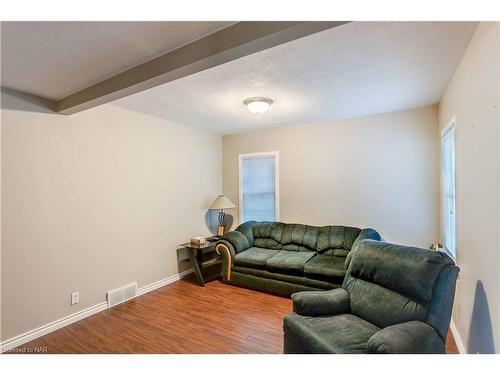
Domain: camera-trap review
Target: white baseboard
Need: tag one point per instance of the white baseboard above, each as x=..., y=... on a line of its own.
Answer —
x=51, y=327
x=458, y=338
x=158, y=284
x=23, y=338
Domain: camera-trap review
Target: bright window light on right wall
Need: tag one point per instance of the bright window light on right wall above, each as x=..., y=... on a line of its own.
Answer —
x=448, y=188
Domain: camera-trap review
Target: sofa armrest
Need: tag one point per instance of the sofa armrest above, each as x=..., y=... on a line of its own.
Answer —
x=238, y=241
x=227, y=247
x=226, y=250
x=320, y=303
x=413, y=337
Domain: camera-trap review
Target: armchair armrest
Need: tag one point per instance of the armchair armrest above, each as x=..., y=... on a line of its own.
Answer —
x=412, y=337
x=320, y=303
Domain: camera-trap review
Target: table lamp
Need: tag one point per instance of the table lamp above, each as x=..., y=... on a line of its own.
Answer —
x=221, y=203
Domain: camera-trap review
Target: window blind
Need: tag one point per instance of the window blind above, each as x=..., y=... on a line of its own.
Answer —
x=258, y=188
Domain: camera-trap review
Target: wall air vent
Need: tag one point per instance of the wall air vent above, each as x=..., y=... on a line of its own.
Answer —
x=119, y=295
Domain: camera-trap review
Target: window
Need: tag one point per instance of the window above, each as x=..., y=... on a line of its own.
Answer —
x=448, y=187
x=259, y=199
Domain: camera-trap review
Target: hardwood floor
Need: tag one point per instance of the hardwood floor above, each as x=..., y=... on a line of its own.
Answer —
x=181, y=318
x=451, y=346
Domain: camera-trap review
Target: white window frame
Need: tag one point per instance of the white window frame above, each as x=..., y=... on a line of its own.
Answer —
x=257, y=155
x=450, y=126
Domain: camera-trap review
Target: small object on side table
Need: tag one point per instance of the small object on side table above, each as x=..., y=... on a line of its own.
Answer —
x=436, y=246
x=198, y=241
x=214, y=238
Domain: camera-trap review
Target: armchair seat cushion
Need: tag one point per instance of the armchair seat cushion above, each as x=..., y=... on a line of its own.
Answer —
x=343, y=333
x=325, y=266
x=254, y=257
x=290, y=262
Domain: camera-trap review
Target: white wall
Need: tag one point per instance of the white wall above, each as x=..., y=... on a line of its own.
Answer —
x=379, y=171
x=93, y=201
x=473, y=96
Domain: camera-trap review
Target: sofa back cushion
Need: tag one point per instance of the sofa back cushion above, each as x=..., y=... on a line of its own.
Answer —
x=299, y=237
x=268, y=235
x=337, y=240
x=390, y=284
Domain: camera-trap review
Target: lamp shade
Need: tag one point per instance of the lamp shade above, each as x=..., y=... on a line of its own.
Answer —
x=221, y=203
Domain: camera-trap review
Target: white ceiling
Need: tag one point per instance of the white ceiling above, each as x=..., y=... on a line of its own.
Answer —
x=56, y=59
x=353, y=70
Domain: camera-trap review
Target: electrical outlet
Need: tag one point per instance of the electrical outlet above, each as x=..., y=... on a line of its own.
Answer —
x=75, y=298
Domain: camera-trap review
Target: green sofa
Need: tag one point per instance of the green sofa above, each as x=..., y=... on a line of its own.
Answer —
x=284, y=258
x=394, y=299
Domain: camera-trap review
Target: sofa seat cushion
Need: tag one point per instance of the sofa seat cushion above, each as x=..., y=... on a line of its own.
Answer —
x=343, y=333
x=325, y=266
x=291, y=262
x=254, y=257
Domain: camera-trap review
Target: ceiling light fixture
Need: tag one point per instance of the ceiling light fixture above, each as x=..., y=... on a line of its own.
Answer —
x=258, y=104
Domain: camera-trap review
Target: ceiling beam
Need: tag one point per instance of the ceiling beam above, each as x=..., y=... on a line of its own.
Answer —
x=235, y=41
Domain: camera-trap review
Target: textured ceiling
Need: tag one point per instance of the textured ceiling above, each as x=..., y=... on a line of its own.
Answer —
x=356, y=69
x=55, y=59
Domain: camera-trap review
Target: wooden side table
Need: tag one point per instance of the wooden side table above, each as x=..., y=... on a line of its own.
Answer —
x=196, y=256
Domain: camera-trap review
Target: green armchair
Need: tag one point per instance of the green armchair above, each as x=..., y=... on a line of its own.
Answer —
x=394, y=299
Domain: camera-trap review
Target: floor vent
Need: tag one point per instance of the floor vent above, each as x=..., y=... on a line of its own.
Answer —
x=119, y=295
